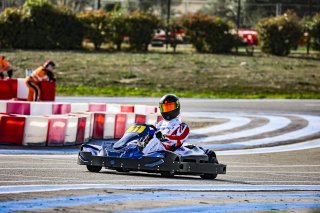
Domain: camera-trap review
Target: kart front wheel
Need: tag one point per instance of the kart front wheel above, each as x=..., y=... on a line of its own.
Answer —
x=94, y=168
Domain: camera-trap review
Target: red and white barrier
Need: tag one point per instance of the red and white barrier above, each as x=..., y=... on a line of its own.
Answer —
x=11, y=129
x=61, y=124
x=18, y=107
x=108, y=126
x=97, y=107
x=22, y=89
x=8, y=89
x=145, y=110
x=61, y=108
x=17, y=88
x=35, y=132
x=3, y=106
x=71, y=130
x=57, y=127
x=79, y=107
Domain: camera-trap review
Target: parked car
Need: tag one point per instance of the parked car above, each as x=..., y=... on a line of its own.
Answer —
x=159, y=40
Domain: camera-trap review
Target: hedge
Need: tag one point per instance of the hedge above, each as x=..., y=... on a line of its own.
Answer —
x=141, y=29
x=208, y=34
x=96, y=25
x=40, y=27
x=315, y=32
x=278, y=35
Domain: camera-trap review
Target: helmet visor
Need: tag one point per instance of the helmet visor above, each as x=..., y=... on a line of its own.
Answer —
x=168, y=107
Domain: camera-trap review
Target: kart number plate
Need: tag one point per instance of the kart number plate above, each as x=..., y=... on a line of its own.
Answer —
x=137, y=129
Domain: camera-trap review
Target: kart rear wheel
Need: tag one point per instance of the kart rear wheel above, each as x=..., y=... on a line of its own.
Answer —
x=212, y=159
x=209, y=176
x=94, y=168
x=167, y=174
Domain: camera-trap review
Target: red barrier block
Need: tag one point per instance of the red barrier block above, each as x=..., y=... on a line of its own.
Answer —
x=56, y=131
x=8, y=89
x=98, y=125
x=140, y=119
x=97, y=107
x=11, y=129
x=18, y=107
x=58, y=109
x=120, y=125
x=127, y=108
x=81, y=131
x=48, y=91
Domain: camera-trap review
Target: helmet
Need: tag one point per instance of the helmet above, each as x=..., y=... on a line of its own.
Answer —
x=169, y=106
x=49, y=63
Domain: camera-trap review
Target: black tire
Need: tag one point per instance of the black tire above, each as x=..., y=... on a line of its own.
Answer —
x=167, y=174
x=212, y=159
x=209, y=176
x=94, y=168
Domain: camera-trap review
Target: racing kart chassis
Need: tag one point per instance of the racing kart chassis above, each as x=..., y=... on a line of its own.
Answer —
x=168, y=164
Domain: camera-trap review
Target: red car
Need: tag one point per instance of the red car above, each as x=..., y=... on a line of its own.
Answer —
x=250, y=37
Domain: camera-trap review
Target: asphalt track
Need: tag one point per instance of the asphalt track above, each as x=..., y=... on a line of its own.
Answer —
x=271, y=148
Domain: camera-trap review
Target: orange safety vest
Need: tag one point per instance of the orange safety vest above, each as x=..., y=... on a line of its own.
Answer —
x=40, y=74
x=4, y=64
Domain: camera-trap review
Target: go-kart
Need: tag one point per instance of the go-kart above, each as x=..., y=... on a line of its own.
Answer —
x=126, y=155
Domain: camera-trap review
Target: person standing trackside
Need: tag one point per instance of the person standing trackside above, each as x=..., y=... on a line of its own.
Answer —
x=5, y=67
x=42, y=73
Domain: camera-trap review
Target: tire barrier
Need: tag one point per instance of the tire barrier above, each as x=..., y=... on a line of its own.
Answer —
x=17, y=88
x=63, y=124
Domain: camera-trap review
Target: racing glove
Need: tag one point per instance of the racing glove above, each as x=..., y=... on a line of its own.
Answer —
x=159, y=135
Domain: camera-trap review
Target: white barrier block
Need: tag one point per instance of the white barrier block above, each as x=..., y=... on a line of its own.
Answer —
x=131, y=119
x=41, y=108
x=35, y=132
x=71, y=131
x=151, y=119
x=89, y=123
x=115, y=108
x=140, y=109
x=22, y=90
x=79, y=107
x=109, y=125
x=3, y=106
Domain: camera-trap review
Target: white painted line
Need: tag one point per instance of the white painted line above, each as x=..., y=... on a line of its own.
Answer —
x=234, y=122
x=27, y=176
x=265, y=172
x=172, y=187
x=275, y=123
x=313, y=127
x=271, y=166
x=284, y=148
x=37, y=168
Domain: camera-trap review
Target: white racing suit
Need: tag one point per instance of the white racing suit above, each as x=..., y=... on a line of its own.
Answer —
x=175, y=132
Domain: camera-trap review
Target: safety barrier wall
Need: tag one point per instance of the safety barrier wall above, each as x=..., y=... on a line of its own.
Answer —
x=62, y=124
x=54, y=108
x=17, y=88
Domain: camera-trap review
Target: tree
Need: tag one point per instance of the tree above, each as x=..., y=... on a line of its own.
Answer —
x=226, y=9
x=118, y=27
x=96, y=25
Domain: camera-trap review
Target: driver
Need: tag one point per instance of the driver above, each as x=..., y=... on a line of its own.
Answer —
x=172, y=132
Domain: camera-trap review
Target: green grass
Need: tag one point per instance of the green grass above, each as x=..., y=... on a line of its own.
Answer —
x=186, y=74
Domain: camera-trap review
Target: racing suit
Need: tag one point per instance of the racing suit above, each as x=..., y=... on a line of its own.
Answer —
x=174, y=132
